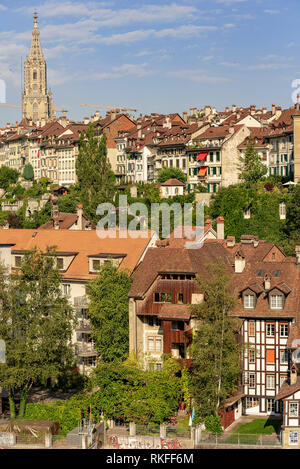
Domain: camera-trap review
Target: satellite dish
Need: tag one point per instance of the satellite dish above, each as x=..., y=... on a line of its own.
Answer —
x=2, y=351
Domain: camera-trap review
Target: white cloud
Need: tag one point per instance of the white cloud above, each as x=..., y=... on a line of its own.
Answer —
x=272, y=12
x=197, y=76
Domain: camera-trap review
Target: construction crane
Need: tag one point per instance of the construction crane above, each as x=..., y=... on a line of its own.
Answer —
x=64, y=111
x=14, y=106
x=113, y=108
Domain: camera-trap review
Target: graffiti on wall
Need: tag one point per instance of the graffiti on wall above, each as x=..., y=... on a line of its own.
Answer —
x=143, y=442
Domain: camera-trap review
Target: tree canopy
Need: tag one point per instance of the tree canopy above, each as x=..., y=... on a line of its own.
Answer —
x=215, y=351
x=8, y=176
x=36, y=323
x=108, y=312
x=28, y=172
x=252, y=168
x=95, y=177
x=170, y=173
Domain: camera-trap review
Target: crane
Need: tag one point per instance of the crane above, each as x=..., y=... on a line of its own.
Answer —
x=14, y=106
x=113, y=108
x=64, y=111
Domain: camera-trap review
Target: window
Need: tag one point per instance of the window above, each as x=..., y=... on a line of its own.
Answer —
x=162, y=297
x=293, y=409
x=270, y=405
x=284, y=330
x=282, y=379
x=60, y=263
x=150, y=344
x=18, y=260
x=251, y=356
x=270, y=381
x=270, y=356
x=270, y=329
x=276, y=302
x=251, y=380
x=154, y=344
x=284, y=357
x=66, y=288
x=180, y=298
x=251, y=402
x=293, y=437
x=177, y=325
x=249, y=301
x=251, y=328
x=96, y=264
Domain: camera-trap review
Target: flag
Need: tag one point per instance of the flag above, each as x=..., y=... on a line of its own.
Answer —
x=193, y=413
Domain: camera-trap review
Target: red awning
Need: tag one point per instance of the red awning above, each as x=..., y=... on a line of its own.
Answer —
x=202, y=155
x=203, y=171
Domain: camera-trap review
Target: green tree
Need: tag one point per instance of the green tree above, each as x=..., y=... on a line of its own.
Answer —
x=36, y=323
x=171, y=173
x=108, y=312
x=215, y=352
x=8, y=176
x=67, y=203
x=95, y=176
x=28, y=173
x=252, y=168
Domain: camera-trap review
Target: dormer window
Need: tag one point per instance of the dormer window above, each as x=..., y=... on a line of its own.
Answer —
x=18, y=261
x=60, y=263
x=249, y=301
x=276, y=301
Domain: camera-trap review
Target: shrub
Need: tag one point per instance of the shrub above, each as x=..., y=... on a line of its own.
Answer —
x=213, y=424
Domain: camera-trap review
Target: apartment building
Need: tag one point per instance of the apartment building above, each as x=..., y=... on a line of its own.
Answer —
x=80, y=253
x=266, y=287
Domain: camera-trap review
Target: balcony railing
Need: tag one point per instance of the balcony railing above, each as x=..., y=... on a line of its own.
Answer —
x=81, y=302
x=83, y=326
x=85, y=349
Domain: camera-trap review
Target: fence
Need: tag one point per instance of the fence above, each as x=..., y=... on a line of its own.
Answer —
x=239, y=439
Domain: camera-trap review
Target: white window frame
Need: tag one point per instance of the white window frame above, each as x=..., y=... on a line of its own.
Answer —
x=276, y=301
x=270, y=381
x=293, y=437
x=295, y=412
x=249, y=301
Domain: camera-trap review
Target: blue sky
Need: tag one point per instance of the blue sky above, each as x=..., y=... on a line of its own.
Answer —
x=155, y=56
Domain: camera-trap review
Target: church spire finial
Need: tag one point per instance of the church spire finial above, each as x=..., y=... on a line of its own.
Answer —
x=35, y=16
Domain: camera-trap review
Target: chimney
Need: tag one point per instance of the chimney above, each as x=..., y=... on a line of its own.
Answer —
x=297, y=249
x=56, y=224
x=264, y=110
x=227, y=109
x=86, y=121
x=79, y=214
x=54, y=208
x=278, y=112
x=185, y=116
x=267, y=282
x=220, y=228
x=5, y=225
x=230, y=241
x=233, y=108
x=293, y=375
x=239, y=262
x=139, y=130
x=207, y=111
x=273, y=109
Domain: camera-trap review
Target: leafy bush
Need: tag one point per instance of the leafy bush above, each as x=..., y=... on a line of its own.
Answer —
x=213, y=424
x=66, y=413
x=28, y=173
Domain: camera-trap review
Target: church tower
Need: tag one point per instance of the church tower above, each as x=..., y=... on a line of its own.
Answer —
x=37, y=103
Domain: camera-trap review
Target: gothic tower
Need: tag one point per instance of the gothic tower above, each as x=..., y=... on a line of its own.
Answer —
x=37, y=103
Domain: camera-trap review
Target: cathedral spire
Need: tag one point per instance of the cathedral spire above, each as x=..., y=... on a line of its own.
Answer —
x=35, y=48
